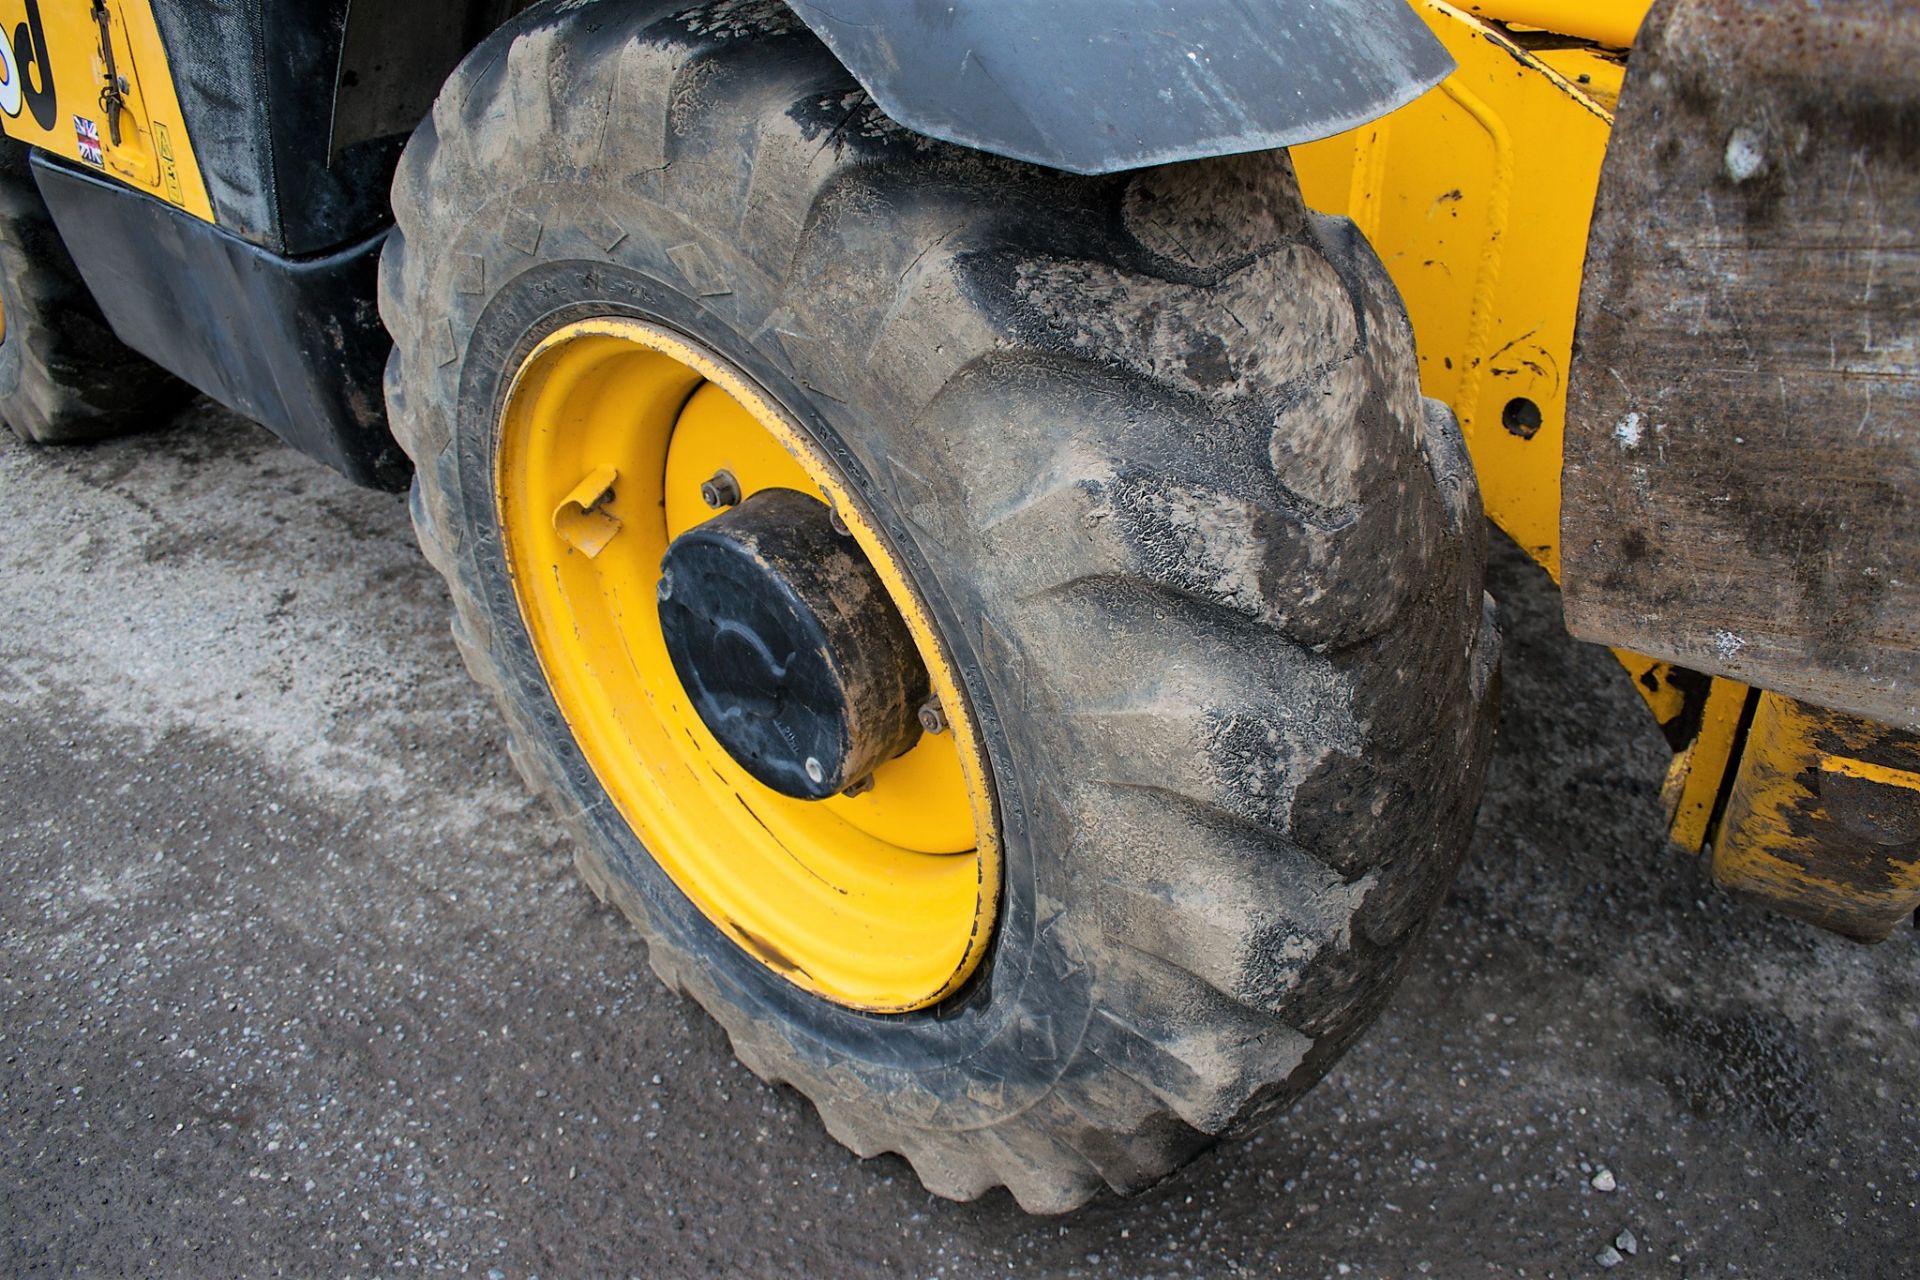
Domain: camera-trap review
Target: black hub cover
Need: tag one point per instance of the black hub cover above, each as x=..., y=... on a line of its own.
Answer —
x=785, y=639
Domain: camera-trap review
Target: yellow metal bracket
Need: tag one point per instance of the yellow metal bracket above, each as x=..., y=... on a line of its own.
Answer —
x=1698, y=772
x=1606, y=22
x=581, y=520
x=1823, y=819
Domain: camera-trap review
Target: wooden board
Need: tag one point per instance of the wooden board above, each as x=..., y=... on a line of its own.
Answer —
x=1742, y=467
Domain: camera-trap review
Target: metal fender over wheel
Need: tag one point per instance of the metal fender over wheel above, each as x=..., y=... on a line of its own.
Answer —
x=64, y=376
x=1014, y=643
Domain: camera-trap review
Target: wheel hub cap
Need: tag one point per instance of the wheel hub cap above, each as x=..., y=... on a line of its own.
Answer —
x=783, y=636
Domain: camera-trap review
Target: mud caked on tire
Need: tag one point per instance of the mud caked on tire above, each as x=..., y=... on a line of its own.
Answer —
x=1152, y=449
x=64, y=376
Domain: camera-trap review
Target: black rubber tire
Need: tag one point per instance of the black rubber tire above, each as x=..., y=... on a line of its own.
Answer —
x=1153, y=450
x=64, y=377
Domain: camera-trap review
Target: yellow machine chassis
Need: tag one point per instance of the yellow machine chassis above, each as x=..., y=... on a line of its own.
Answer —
x=1478, y=197
x=152, y=152
x=882, y=901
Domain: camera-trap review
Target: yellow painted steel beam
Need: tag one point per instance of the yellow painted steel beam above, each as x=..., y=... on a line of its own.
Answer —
x=1698, y=772
x=1823, y=821
x=1608, y=22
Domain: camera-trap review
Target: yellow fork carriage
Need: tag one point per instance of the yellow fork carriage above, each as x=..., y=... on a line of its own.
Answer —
x=974, y=512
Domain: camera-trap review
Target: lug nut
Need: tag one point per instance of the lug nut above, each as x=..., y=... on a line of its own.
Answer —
x=839, y=525
x=933, y=717
x=860, y=787
x=721, y=491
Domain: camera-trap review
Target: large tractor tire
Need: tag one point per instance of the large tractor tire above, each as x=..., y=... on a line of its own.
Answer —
x=64, y=377
x=1136, y=468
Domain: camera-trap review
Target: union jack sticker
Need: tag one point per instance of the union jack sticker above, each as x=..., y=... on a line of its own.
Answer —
x=89, y=135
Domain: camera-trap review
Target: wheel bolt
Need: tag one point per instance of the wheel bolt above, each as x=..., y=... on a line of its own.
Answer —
x=839, y=525
x=933, y=717
x=721, y=491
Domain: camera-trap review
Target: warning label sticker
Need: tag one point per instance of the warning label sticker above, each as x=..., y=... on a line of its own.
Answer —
x=89, y=135
x=169, y=168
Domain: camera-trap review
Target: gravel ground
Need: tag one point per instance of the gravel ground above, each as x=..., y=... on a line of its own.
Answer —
x=297, y=979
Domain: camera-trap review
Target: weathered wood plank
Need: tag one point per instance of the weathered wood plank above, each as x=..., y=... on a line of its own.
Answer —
x=1742, y=468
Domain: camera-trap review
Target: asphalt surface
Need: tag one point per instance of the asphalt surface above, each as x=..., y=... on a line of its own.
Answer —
x=297, y=979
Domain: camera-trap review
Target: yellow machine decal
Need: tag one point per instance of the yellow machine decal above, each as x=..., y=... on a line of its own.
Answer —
x=88, y=80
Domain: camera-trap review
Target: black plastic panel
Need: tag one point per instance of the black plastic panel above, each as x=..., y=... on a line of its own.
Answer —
x=296, y=345
x=255, y=80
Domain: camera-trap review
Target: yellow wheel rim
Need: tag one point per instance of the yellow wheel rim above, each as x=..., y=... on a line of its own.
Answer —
x=882, y=901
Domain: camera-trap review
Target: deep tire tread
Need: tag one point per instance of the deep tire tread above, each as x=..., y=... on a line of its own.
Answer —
x=1198, y=1036
x=64, y=377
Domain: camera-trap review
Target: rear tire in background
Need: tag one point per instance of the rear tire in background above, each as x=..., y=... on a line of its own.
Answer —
x=1149, y=457
x=64, y=377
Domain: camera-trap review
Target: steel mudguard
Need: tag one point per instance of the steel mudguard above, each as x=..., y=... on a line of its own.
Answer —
x=1097, y=86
